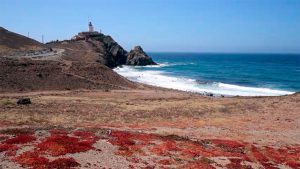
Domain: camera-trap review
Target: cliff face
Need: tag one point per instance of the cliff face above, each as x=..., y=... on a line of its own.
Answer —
x=138, y=57
x=113, y=54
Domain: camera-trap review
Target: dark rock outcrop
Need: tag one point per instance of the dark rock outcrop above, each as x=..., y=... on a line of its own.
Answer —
x=138, y=57
x=24, y=101
x=114, y=55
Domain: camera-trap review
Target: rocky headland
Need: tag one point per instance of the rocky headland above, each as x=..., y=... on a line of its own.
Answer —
x=102, y=49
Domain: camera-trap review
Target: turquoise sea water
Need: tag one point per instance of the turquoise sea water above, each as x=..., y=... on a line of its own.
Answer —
x=227, y=74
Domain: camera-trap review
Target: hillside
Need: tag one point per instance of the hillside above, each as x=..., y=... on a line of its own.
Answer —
x=89, y=47
x=33, y=75
x=10, y=41
x=28, y=65
x=105, y=51
x=102, y=49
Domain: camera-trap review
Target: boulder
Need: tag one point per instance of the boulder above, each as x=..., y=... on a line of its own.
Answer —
x=24, y=101
x=138, y=57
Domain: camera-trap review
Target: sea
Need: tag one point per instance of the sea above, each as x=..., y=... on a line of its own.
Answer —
x=220, y=74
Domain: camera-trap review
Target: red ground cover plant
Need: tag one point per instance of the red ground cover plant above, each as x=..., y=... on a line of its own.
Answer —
x=6, y=147
x=237, y=163
x=86, y=136
x=165, y=162
x=287, y=155
x=130, y=143
x=63, y=163
x=32, y=160
x=121, y=138
x=57, y=145
x=168, y=151
x=165, y=148
x=198, y=165
x=125, y=142
x=9, y=149
x=197, y=154
x=10, y=146
x=207, y=149
x=229, y=145
x=21, y=139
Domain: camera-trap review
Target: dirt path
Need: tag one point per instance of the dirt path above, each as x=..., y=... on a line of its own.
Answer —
x=44, y=54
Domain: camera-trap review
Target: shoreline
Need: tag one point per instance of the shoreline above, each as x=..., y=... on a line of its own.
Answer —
x=159, y=79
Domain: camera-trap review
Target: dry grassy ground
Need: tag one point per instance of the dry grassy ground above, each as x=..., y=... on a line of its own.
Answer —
x=255, y=124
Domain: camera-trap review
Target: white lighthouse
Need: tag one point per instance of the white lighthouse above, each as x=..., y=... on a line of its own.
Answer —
x=86, y=35
x=91, y=27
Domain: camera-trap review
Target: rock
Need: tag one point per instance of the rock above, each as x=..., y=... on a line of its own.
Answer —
x=138, y=57
x=209, y=94
x=115, y=55
x=24, y=101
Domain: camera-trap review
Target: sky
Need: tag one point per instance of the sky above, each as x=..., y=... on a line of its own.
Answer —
x=230, y=26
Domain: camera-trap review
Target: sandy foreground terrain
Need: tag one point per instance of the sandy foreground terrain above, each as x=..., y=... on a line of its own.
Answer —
x=149, y=128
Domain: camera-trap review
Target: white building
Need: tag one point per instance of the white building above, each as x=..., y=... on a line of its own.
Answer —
x=85, y=35
x=91, y=27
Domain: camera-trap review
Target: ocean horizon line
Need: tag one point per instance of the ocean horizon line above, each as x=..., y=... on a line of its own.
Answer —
x=237, y=53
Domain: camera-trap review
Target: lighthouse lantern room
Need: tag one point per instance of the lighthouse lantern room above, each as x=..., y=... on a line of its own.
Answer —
x=91, y=27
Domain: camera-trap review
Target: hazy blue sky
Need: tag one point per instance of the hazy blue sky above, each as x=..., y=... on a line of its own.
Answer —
x=165, y=25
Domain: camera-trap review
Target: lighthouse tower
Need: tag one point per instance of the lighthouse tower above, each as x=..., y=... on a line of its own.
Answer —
x=86, y=34
x=91, y=27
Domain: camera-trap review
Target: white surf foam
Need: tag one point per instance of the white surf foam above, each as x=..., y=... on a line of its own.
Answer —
x=166, y=64
x=158, y=65
x=158, y=78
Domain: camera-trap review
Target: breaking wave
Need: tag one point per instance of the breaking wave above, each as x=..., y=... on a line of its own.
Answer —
x=162, y=79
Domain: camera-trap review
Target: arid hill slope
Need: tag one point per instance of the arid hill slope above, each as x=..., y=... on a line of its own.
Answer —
x=32, y=75
x=10, y=41
x=79, y=65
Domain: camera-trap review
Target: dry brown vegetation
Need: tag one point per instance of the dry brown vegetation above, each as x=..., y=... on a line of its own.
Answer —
x=265, y=119
x=19, y=75
x=12, y=42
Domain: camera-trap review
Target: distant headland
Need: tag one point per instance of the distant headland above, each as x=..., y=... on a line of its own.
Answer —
x=88, y=46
